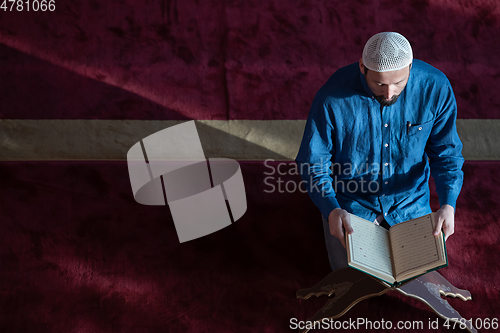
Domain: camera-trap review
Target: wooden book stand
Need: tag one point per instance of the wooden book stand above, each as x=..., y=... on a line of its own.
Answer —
x=350, y=286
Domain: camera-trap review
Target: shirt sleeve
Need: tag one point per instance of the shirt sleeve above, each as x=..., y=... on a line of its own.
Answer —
x=314, y=157
x=444, y=150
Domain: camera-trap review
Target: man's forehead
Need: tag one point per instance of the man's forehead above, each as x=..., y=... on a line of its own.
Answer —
x=390, y=77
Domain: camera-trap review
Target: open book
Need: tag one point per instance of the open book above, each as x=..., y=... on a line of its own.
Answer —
x=406, y=250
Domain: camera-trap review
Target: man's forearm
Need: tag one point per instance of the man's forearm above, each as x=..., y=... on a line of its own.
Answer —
x=318, y=184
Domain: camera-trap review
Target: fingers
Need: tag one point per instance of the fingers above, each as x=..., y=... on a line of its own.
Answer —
x=339, y=220
x=445, y=217
x=346, y=222
x=448, y=229
x=439, y=224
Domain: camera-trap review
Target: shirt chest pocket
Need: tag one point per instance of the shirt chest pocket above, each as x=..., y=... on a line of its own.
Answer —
x=416, y=137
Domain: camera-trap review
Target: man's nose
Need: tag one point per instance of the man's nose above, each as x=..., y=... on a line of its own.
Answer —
x=389, y=92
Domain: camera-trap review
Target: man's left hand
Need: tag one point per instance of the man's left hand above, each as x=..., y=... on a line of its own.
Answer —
x=445, y=217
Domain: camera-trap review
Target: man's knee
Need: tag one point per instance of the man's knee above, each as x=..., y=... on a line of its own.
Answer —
x=337, y=254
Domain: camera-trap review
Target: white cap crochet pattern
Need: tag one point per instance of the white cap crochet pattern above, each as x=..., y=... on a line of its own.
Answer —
x=387, y=51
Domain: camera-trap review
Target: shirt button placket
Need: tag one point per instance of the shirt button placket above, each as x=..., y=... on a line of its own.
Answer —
x=386, y=154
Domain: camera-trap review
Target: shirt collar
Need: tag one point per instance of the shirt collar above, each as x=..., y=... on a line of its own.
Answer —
x=365, y=85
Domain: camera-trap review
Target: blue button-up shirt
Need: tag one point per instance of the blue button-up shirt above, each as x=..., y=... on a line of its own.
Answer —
x=371, y=160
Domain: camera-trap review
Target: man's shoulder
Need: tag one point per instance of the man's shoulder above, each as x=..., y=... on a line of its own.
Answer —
x=428, y=72
x=343, y=81
x=344, y=75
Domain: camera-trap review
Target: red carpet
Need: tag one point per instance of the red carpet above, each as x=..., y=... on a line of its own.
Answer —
x=79, y=255
x=229, y=59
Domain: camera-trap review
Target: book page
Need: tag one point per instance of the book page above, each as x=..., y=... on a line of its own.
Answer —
x=413, y=244
x=369, y=245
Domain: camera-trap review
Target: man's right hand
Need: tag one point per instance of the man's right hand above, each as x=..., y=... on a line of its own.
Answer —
x=337, y=219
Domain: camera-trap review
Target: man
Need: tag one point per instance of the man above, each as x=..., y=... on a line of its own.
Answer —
x=375, y=132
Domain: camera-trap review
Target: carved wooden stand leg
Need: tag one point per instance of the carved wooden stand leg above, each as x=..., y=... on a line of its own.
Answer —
x=428, y=288
x=351, y=286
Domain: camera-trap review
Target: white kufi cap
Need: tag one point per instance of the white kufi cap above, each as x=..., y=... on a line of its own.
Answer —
x=387, y=51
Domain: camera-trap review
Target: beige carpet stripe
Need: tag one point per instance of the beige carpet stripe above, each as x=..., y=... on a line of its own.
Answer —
x=30, y=140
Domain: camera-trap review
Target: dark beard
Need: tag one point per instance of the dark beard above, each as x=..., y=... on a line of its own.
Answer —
x=380, y=98
x=383, y=102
